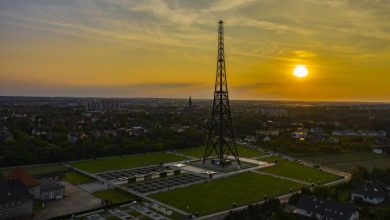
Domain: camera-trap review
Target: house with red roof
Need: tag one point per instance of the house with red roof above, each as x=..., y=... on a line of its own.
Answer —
x=29, y=181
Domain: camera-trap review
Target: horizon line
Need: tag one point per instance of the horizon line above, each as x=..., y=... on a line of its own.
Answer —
x=258, y=100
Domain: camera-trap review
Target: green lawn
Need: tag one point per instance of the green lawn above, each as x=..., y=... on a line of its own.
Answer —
x=242, y=152
x=298, y=171
x=218, y=195
x=77, y=178
x=125, y=162
x=349, y=161
x=39, y=169
x=115, y=195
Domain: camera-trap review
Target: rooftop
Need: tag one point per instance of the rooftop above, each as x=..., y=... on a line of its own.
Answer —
x=370, y=189
x=51, y=186
x=11, y=190
x=325, y=207
x=22, y=174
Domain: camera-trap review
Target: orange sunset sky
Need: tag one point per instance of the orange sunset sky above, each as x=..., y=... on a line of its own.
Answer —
x=156, y=48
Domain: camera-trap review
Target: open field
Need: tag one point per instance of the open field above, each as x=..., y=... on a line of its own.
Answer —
x=114, y=195
x=77, y=178
x=298, y=171
x=39, y=169
x=125, y=162
x=349, y=161
x=241, y=189
x=242, y=152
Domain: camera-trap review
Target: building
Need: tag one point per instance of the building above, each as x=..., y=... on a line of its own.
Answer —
x=267, y=138
x=74, y=137
x=317, y=130
x=273, y=112
x=352, y=133
x=49, y=177
x=299, y=133
x=52, y=191
x=333, y=140
x=5, y=135
x=103, y=105
x=16, y=202
x=269, y=132
x=136, y=131
x=313, y=207
x=29, y=181
x=369, y=192
x=381, y=150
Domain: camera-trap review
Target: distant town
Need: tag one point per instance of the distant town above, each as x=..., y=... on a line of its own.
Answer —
x=103, y=158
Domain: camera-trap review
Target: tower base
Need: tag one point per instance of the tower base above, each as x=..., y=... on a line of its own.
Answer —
x=221, y=163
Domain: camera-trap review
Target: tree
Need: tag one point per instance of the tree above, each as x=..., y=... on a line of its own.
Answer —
x=322, y=191
x=294, y=199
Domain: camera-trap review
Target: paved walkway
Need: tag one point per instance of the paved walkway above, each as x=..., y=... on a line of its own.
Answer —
x=253, y=161
x=75, y=200
x=95, y=187
x=282, y=177
x=146, y=211
x=182, y=155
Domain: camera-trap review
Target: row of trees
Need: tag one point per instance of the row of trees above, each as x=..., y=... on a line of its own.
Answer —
x=286, y=144
x=270, y=209
x=27, y=149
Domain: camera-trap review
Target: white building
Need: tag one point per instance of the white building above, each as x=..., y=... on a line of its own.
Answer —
x=380, y=150
x=370, y=193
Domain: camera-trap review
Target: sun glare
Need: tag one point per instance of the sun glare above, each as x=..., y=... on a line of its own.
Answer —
x=300, y=71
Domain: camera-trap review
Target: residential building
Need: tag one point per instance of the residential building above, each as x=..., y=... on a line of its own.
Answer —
x=274, y=112
x=317, y=130
x=351, y=133
x=29, y=181
x=381, y=150
x=136, y=131
x=299, y=133
x=270, y=132
x=16, y=202
x=314, y=207
x=369, y=192
x=74, y=137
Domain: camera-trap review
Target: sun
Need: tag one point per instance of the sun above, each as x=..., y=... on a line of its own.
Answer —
x=300, y=71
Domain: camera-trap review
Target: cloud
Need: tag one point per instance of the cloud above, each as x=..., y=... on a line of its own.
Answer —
x=332, y=3
x=168, y=85
x=258, y=85
x=226, y=5
x=262, y=24
x=171, y=89
x=303, y=54
x=177, y=38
